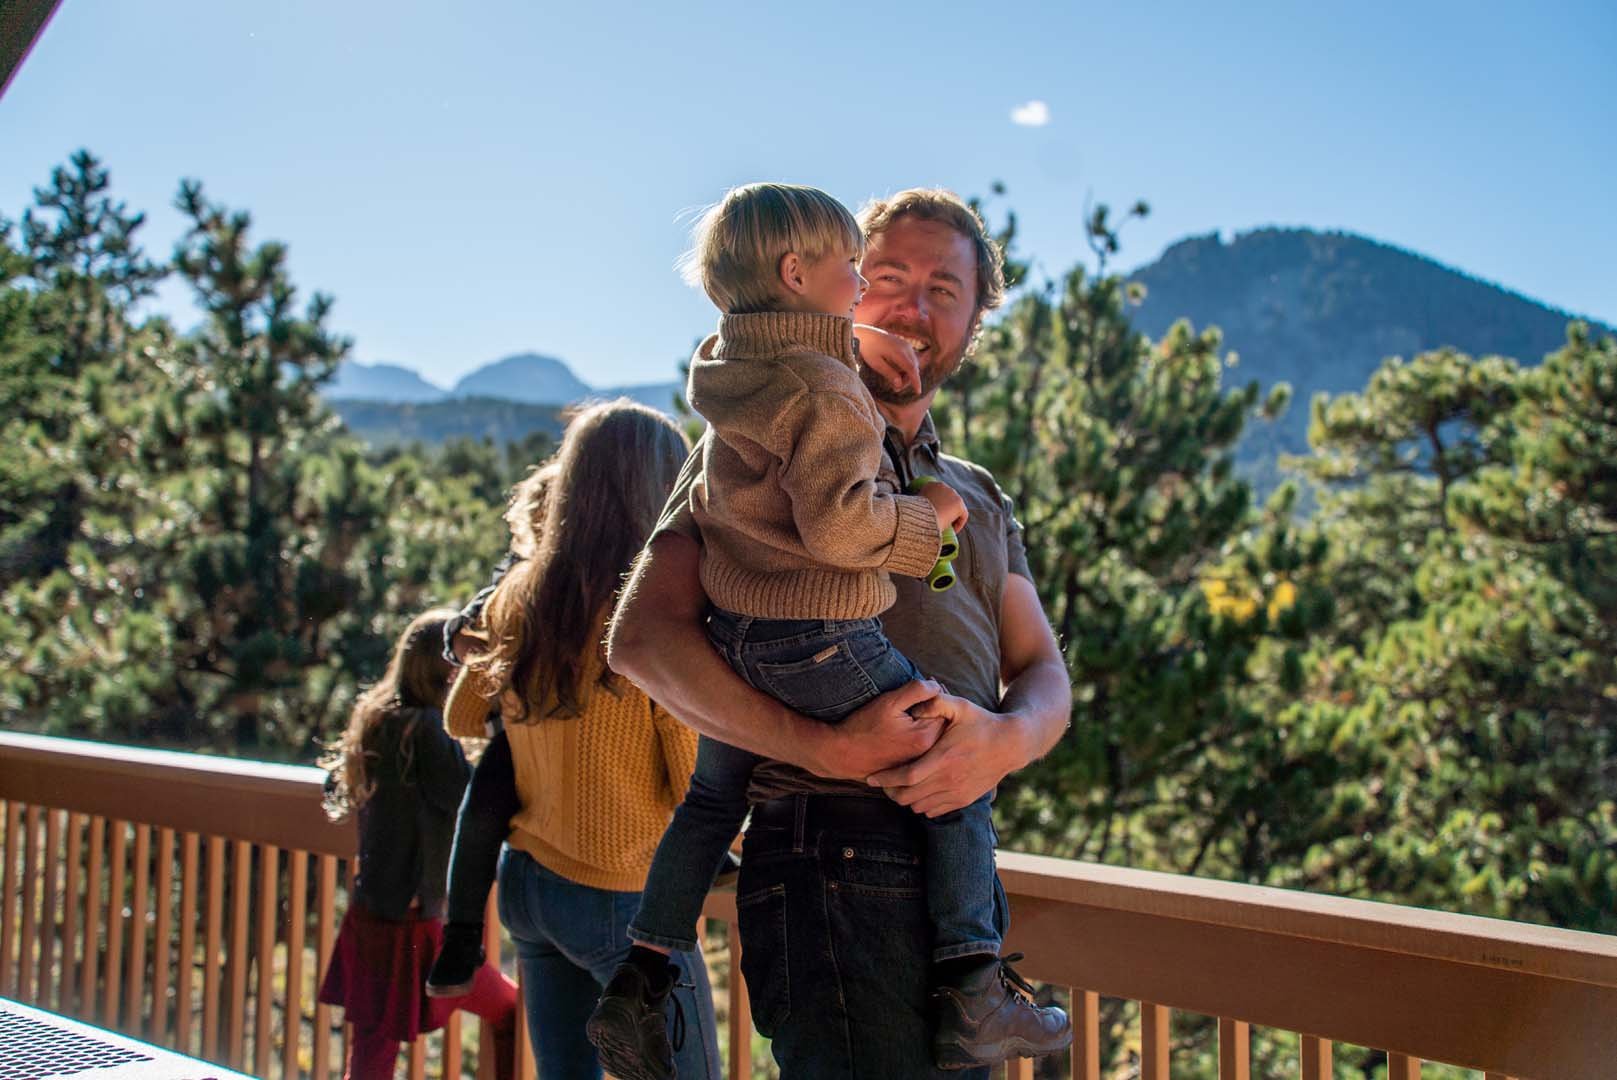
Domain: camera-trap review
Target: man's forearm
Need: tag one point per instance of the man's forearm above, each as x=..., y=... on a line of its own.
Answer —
x=1038, y=707
x=657, y=642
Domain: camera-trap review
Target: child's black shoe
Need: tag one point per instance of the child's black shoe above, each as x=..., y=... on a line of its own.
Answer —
x=455, y=968
x=629, y=1027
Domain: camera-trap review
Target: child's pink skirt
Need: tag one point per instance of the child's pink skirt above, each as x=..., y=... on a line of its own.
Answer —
x=378, y=974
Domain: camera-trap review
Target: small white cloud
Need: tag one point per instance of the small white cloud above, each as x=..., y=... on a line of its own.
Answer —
x=1031, y=114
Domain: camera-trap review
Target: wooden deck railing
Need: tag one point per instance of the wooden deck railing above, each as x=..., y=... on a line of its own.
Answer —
x=192, y=901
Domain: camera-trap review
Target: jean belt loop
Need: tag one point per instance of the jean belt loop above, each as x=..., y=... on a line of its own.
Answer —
x=800, y=822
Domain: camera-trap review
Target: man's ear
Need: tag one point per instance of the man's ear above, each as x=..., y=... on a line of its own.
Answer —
x=790, y=272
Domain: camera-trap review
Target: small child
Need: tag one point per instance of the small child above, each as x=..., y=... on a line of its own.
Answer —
x=802, y=524
x=397, y=767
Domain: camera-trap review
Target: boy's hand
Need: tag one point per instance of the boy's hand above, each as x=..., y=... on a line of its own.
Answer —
x=888, y=355
x=947, y=502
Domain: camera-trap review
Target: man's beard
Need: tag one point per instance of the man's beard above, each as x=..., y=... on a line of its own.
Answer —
x=935, y=369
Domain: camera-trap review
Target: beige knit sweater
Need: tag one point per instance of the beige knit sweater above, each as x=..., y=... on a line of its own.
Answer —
x=795, y=523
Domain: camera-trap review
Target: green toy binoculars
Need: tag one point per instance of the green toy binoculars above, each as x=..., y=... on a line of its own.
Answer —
x=942, y=576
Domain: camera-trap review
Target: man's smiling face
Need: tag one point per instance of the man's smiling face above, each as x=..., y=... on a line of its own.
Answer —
x=923, y=288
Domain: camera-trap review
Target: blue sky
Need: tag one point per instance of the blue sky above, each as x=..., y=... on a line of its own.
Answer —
x=474, y=180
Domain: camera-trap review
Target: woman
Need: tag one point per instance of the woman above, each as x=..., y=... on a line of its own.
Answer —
x=599, y=767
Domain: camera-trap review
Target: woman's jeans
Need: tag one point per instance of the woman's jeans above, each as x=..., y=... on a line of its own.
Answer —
x=825, y=669
x=569, y=938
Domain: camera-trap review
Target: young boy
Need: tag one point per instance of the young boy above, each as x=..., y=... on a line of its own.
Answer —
x=802, y=525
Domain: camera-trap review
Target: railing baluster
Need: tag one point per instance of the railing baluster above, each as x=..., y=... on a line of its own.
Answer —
x=327, y=935
x=8, y=895
x=1316, y=1055
x=1019, y=1068
x=1155, y=1021
x=185, y=962
x=1085, y=1035
x=135, y=981
x=28, y=891
x=297, y=902
x=162, y=935
x=1403, y=1067
x=241, y=880
x=264, y=999
x=491, y=950
x=92, y=920
x=49, y=994
x=740, y=1010
x=112, y=1000
x=215, y=940
x=67, y=999
x=1234, y=1049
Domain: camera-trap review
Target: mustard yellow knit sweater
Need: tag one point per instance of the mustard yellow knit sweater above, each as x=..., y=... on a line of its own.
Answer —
x=597, y=788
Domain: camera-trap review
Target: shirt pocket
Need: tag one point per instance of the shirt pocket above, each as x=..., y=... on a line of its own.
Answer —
x=982, y=551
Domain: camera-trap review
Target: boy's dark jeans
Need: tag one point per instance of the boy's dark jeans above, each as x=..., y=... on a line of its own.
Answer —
x=835, y=937
x=825, y=669
x=481, y=826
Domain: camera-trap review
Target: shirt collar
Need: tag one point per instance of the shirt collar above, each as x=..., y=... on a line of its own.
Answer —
x=926, y=436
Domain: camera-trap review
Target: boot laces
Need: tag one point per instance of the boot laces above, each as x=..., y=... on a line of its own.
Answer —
x=1010, y=977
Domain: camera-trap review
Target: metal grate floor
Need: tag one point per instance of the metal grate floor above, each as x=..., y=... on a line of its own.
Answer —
x=32, y=1050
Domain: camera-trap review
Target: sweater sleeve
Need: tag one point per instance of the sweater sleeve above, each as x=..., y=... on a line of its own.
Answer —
x=830, y=460
x=678, y=744
x=440, y=765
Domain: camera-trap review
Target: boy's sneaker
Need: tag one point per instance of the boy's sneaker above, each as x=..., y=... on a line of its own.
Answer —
x=987, y=1014
x=629, y=1027
x=455, y=968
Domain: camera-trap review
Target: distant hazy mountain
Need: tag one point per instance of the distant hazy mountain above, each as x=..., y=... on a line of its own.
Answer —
x=525, y=377
x=1318, y=310
x=1322, y=310
x=382, y=382
x=503, y=401
x=385, y=423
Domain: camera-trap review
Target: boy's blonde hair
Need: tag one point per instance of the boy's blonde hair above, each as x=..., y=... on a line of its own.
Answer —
x=738, y=242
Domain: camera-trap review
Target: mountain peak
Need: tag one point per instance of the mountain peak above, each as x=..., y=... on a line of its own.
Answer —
x=530, y=377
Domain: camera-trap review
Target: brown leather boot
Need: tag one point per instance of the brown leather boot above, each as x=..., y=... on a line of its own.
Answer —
x=987, y=1014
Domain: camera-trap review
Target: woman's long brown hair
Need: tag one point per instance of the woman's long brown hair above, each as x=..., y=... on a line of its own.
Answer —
x=416, y=677
x=617, y=463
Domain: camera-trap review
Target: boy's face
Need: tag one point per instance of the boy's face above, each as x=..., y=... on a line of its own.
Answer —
x=832, y=285
x=923, y=288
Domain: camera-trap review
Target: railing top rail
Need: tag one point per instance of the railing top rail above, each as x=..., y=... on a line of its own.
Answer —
x=243, y=800
x=20, y=748
x=1473, y=939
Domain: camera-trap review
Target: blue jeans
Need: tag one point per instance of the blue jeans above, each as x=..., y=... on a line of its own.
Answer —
x=835, y=936
x=825, y=669
x=569, y=938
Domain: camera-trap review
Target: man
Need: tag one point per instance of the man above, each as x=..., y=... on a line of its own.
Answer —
x=834, y=924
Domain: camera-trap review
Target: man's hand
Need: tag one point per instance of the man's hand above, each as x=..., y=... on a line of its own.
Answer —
x=967, y=761
x=882, y=734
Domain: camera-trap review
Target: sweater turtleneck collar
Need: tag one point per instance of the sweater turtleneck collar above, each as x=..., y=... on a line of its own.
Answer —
x=768, y=334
